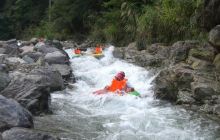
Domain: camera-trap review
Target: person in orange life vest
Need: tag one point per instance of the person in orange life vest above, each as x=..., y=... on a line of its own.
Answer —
x=77, y=51
x=119, y=84
x=98, y=49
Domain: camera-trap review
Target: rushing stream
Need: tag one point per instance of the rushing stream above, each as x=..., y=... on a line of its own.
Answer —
x=80, y=115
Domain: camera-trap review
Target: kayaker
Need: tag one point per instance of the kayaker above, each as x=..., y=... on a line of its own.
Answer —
x=119, y=84
x=77, y=51
x=98, y=49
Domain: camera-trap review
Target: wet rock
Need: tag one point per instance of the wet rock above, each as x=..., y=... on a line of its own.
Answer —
x=65, y=70
x=217, y=62
x=166, y=88
x=13, y=114
x=185, y=97
x=25, y=134
x=202, y=91
x=4, y=80
x=119, y=53
x=214, y=36
x=171, y=80
x=207, y=108
x=180, y=50
x=56, y=57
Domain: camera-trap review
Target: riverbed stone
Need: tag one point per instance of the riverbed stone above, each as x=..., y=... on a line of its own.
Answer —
x=64, y=70
x=202, y=91
x=214, y=36
x=56, y=57
x=180, y=50
x=185, y=97
x=25, y=134
x=13, y=114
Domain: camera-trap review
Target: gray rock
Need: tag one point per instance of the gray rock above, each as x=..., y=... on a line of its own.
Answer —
x=147, y=60
x=4, y=80
x=202, y=91
x=13, y=114
x=33, y=89
x=11, y=49
x=207, y=108
x=28, y=59
x=180, y=50
x=65, y=70
x=56, y=57
x=25, y=134
x=14, y=60
x=214, y=36
x=184, y=97
x=47, y=49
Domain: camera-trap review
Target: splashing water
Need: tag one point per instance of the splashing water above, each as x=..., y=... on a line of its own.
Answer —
x=78, y=114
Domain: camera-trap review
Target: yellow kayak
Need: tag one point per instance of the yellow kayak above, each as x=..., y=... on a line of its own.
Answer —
x=98, y=55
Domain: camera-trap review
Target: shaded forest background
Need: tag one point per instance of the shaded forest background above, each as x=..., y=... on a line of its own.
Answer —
x=116, y=21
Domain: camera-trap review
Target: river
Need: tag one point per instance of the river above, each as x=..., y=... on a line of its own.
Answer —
x=80, y=115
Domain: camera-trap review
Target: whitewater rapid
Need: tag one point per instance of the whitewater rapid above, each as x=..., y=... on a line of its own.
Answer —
x=80, y=115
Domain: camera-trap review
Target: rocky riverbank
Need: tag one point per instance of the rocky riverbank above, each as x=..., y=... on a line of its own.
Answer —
x=29, y=72
x=189, y=71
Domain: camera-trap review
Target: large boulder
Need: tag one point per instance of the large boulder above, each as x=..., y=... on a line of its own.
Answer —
x=180, y=50
x=65, y=70
x=13, y=114
x=203, y=91
x=214, y=36
x=172, y=80
x=56, y=57
x=33, y=89
x=147, y=60
x=25, y=134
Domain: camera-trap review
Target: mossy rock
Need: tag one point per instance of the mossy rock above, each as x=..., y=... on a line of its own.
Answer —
x=201, y=53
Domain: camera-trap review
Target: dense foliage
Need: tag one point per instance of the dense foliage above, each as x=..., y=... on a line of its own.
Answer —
x=117, y=21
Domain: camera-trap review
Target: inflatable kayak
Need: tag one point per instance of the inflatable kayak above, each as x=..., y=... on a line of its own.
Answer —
x=103, y=91
x=76, y=55
x=98, y=55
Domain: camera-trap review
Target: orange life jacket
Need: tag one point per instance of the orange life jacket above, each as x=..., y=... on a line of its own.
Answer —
x=77, y=51
x=117, y=85
x=98, y=50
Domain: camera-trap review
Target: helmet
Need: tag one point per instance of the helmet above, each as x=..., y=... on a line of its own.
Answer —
x=120, y=75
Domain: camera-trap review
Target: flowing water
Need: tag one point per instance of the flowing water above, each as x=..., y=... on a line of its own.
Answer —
x=80, y=115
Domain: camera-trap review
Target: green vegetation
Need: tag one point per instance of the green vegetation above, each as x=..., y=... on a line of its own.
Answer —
x=115, y=21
